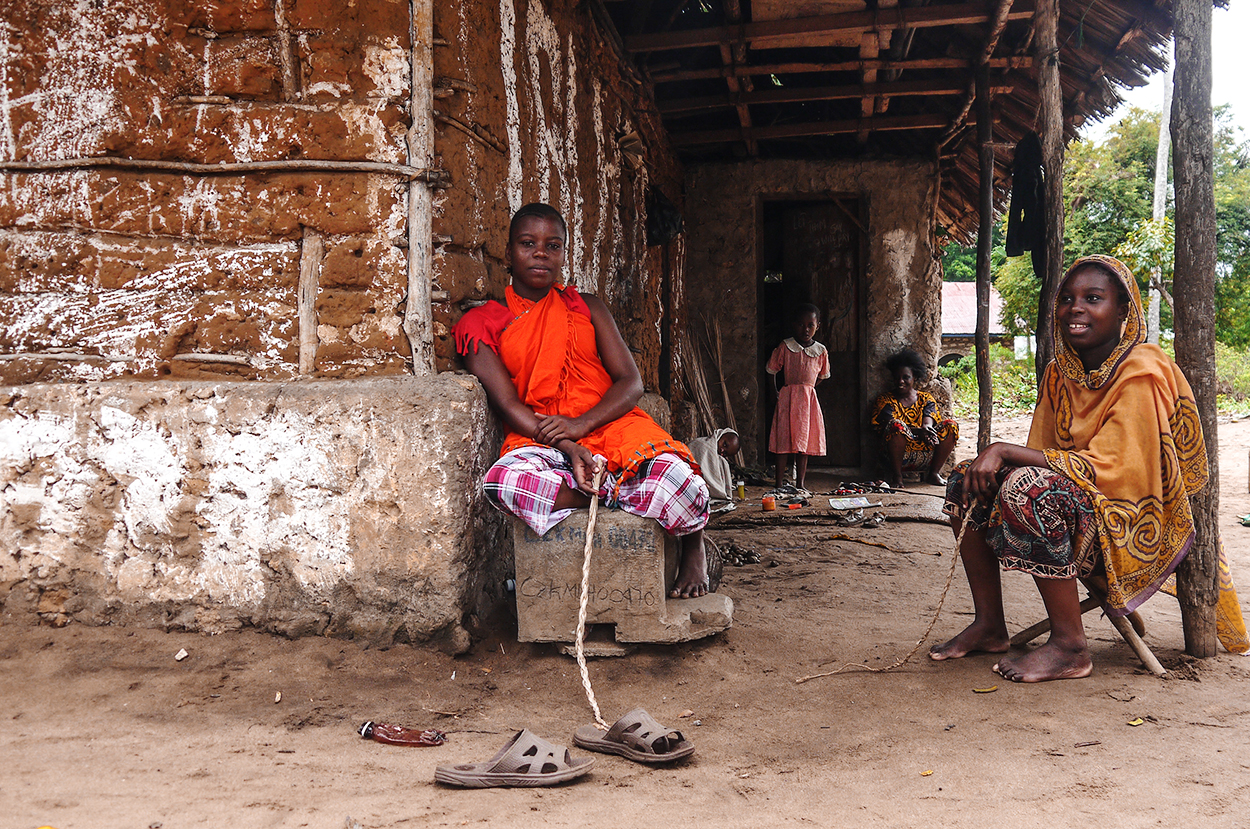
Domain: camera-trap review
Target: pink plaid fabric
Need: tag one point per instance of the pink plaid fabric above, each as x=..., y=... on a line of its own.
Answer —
x=525, y=482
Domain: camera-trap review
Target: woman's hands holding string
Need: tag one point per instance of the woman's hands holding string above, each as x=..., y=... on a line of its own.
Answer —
x=585, y=465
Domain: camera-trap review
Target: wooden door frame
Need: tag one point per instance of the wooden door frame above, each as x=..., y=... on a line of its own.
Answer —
x=860, y=216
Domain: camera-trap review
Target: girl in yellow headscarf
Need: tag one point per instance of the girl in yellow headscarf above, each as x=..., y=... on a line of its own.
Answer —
x=1101, y=490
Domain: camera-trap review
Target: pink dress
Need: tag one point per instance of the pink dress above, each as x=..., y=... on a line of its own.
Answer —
x=798, y=423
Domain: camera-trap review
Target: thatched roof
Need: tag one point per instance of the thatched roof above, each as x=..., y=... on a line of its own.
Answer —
x=735, y=79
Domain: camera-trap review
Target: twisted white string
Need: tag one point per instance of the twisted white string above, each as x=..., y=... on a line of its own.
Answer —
x=581, y=609
x=959, y=541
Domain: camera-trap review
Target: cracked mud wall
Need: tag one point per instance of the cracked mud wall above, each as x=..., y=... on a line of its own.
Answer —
x=110, y=275
x=166, y=274
x=902, y=276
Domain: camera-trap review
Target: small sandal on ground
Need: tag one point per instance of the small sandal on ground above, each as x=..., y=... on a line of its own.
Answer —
x=638, y=737
x=525, y=760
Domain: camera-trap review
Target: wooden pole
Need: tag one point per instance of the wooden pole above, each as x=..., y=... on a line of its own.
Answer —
x=311, y=252
x=1160, y=203
x=1051, y=132
x=985, y=142
x=418, y=315
x=1193, y=295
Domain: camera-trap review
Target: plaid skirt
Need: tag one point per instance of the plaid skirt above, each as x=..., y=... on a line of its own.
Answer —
x=525, y=482
x=1041, y=522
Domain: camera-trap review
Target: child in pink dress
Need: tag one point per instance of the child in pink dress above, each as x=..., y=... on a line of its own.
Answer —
x=798, y=424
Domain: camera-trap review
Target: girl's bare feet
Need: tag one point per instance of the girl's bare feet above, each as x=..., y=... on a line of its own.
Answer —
x=976, y=638
x=691, y=580
x=1050, y=661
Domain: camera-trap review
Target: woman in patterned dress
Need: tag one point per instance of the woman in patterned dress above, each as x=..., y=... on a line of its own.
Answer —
x=1101, y=491
x=916, y=436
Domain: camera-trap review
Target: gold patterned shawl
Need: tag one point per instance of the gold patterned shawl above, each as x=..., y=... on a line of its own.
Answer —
x=1128, y=434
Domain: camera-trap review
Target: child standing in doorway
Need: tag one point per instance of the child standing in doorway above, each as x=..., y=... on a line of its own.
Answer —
x=798, y=423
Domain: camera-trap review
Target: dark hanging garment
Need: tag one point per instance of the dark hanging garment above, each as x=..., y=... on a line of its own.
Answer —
x=663, y=218
x=1026, y=219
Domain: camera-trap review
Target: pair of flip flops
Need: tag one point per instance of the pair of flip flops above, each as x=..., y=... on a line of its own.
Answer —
x=529, y=760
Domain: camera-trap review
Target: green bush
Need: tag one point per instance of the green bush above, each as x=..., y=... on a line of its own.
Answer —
x=1232, y=374
x=1015, y=389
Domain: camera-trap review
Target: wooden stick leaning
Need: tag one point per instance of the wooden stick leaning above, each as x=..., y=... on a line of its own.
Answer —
x=578, y=644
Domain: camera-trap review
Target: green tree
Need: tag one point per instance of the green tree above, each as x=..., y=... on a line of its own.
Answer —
x=1018, y=286
x=1150, y=249
x=1108, y=190
x=1108, y=187
x=1232, y=220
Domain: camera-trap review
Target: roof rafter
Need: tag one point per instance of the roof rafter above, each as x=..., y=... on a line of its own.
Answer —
x=897, y=89
x=760, y=34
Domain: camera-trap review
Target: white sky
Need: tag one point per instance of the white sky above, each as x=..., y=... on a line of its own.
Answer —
x=1230, y=73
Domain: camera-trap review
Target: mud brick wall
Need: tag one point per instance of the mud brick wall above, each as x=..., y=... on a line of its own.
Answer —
x=902, y=282
x=316, y=507
x=153, y=274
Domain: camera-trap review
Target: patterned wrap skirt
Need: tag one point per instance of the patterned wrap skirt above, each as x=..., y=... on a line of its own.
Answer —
x=917, y=453
x=1041, y=522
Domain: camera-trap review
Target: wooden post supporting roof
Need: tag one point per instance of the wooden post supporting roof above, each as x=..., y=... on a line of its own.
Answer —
x=1050, y=130
x=985, y=145
x=1194, y=299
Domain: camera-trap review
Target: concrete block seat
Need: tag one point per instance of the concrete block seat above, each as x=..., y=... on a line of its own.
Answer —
x=632, y=567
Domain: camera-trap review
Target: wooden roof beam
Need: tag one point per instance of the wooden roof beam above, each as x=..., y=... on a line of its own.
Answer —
x=844, y=127
x=671, y=75
x=731, y=56
x=798, y=95
x=760, y=34
x=792, y=95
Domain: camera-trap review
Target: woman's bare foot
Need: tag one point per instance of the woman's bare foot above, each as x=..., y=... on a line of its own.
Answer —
x=976, y=638
x=691, y=580
x=934, y=479
x=1050, y=661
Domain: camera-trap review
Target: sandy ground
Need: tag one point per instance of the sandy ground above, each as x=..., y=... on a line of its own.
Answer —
x=105, y=729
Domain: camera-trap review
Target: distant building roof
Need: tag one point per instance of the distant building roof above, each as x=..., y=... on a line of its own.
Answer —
x=959, y=310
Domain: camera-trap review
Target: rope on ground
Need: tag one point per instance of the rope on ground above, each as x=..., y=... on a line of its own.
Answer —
x=941, y=600
x=581, y=609
x=853, y=539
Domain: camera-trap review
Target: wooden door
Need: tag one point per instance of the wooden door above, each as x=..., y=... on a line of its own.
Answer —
x=821, y=255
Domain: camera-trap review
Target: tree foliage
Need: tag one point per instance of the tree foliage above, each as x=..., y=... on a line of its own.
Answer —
x=1108, y=192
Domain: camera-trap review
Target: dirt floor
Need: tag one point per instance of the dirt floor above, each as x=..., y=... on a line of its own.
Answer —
x=106, y=729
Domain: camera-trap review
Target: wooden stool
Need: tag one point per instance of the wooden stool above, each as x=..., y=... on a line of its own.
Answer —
x=1130, y=627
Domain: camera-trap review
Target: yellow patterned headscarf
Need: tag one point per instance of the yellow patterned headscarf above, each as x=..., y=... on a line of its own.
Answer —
x=1132, y=335
x=1128, y=434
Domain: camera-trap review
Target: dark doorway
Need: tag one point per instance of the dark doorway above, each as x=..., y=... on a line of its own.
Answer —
x=811, y=252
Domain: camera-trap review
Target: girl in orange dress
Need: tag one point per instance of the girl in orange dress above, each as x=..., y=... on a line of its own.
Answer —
x=556, y=370
x=798, y=423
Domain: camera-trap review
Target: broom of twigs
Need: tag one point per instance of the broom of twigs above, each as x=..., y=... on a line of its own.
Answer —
x=712, y=341
x=696, y=385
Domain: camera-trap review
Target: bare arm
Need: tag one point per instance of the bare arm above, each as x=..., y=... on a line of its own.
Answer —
x=489, y=369
x=981, y=481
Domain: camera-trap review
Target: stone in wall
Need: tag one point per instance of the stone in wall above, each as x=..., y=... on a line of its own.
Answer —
x=301, y=508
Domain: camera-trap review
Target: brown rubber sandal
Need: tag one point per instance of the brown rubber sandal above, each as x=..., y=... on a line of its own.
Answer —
x=525, y=760
x=638, y=737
